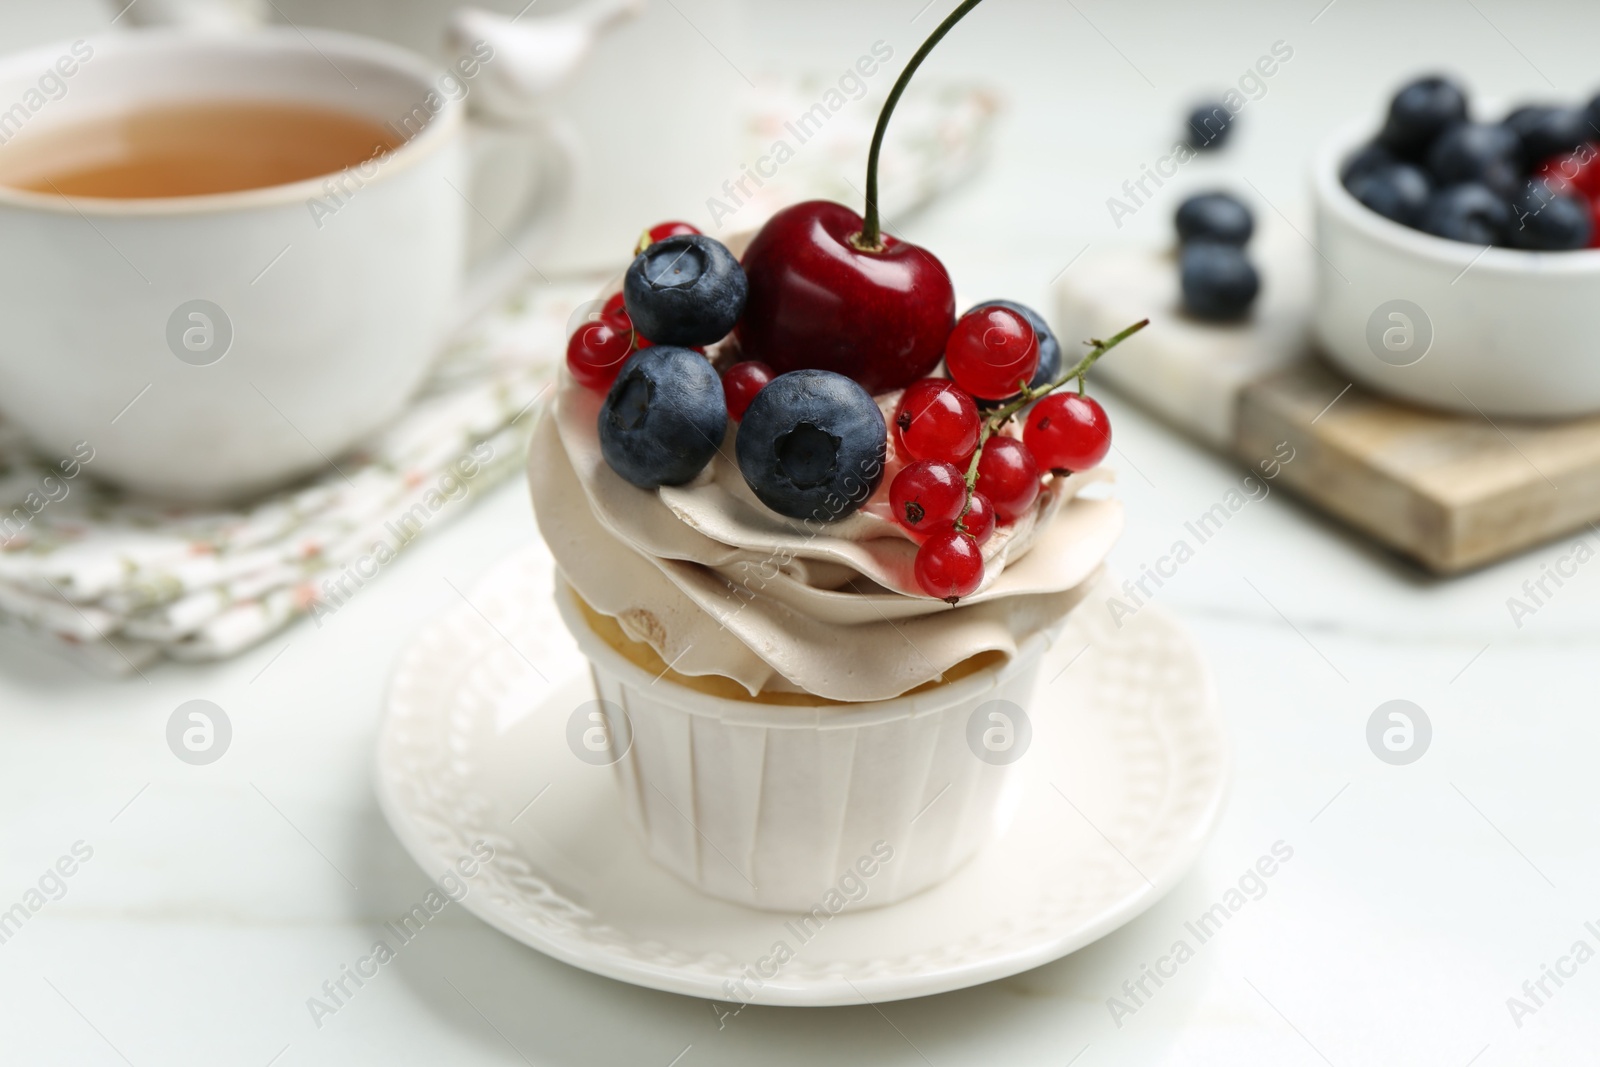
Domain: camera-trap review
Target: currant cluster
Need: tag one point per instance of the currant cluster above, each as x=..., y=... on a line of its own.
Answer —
x=968, y=469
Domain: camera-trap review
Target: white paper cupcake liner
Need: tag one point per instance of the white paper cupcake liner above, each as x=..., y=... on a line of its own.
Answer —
x=793, y=808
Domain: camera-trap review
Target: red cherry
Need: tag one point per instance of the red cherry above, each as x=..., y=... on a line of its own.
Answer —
x=1008, y=475
x=949, y=566
x=979, y=519
x=740, y=384
x=936, y=419
x=660, y=232
x=1067, y=432
x=992, y=352
x=927, y=496
x=818, y=301
x=596, y=352
x=1594, y=219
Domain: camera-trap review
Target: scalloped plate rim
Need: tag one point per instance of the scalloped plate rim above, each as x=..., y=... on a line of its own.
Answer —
x=832, y=990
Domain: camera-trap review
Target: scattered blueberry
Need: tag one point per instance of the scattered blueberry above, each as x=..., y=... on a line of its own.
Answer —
x=664, y=417
x=1547, y=220
x=1370, y=158
x=685, y=290
x=1398, y=191
x=1467, y=212
x=1219, y=217
x=1049, y=346
x=1209, y=125
x=1218, y=281
x=1420, y=112
x=1547, y=131
x=812, y=445
x=1591, y=120
x=1478, y=152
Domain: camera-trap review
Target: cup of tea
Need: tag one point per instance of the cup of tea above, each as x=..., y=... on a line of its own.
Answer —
x=227, y=256
x=559, y=109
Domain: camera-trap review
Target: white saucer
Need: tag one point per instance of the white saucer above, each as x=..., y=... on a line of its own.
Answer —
x=1120, y=793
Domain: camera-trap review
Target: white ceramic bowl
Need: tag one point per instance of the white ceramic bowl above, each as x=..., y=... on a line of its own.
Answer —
x=771, y=806
x=1449, y=324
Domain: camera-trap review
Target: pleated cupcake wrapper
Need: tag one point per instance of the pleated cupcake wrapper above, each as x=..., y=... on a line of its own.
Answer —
x=775, y=806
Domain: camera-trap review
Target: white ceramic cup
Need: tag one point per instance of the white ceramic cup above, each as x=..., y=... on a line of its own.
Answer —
x=210, y=347
x=1497, y=331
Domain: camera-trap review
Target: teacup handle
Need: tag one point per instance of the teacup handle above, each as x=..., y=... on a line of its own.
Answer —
x=513, y=132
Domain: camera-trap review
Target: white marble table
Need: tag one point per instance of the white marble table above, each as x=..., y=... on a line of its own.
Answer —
x=1419, y=898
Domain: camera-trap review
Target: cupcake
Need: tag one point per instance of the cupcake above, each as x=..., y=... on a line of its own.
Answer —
x=793, y=705
x=814, y=578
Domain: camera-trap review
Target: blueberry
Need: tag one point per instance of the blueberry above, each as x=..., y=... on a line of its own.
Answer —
x=1547, y=131
x=1368, y=159
x=1467, y=213
x=686, y=290
x=1591, y=120
x=1209, y=125
x=1548, y=220
x=1398, y=191
x=812, y=445
x=1481, y=153
x=1420, y=112
x=1218, y=281
x=1219, y=217
x=664, y=417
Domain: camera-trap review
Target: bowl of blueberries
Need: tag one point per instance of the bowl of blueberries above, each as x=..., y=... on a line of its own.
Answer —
x=1459, y=256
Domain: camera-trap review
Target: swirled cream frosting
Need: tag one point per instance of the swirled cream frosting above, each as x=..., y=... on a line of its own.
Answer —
x=718, y=584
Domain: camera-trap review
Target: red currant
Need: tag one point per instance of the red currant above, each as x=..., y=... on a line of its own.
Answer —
x=979, y=519
x=1577, y=172
x=1067, y=432
x=740, y=384
x=937, y=419
x=660, y=232
x=616, y=313
x=949, y=566
x=992, y=353
x=596, y=352
x=1008, y=475
x=927, y=496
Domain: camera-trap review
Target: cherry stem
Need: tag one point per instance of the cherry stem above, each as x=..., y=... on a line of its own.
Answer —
x=871, y=238
x=1000, y=416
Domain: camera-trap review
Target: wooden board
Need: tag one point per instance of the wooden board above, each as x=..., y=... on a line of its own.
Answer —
x=1450, y=491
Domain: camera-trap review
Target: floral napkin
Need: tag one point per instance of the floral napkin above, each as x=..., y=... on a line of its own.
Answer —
x=123, y=580
x=118, y=581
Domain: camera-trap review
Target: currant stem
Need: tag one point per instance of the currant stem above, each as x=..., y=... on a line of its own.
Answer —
x=1001, y=416
x=871, y=238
